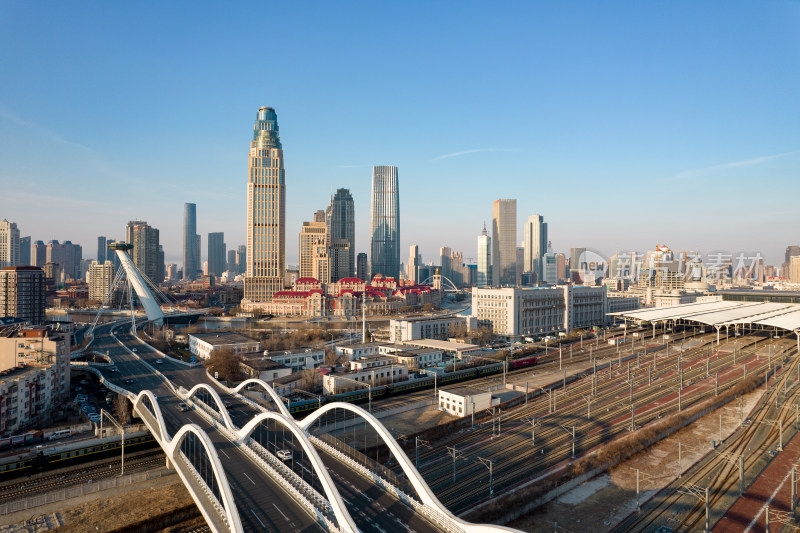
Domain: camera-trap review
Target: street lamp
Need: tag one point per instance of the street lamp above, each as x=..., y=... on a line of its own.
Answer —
x=105, y=413
x=435, y=393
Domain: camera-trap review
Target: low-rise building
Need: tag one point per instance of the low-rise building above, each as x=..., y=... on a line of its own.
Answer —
x=298, y=359
x=354, y=351
x=416, y=358
x=514, y=312
x=264, y=368
x=34, y=377
x=430, y=327
x=463, y=401
x=335, y=383
x=204, y=344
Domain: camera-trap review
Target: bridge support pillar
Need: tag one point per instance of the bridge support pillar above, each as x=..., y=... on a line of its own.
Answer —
x=167, y=465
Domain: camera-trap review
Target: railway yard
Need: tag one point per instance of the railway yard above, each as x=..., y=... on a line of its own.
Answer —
x=577, y=404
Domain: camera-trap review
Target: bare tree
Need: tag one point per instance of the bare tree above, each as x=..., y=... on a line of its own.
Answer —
x=310, y=380
x=226, y=363
x=123, y=409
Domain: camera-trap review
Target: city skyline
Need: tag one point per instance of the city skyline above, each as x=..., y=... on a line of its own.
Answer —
x=669, y=120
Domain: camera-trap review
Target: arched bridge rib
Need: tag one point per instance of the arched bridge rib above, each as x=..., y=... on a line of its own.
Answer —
x=171, y=447
x=223, y=411
x=424, y=492
x=345, y=521
x=270, y=391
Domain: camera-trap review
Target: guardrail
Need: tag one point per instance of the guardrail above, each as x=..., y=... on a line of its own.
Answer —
x=81, y=490
x=444, y=522
x=205, y=488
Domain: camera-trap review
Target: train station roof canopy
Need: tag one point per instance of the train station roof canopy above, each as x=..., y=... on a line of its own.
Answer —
x=723, y=313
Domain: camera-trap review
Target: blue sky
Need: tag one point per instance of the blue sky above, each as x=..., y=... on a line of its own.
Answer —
x=622, y=123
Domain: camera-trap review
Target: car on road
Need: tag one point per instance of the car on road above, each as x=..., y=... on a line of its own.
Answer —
x=94, y=418
x=227, y=404
x=284, y=455
x=115, y=369
x=159, y=362
x=129, y=381
x=182, y=407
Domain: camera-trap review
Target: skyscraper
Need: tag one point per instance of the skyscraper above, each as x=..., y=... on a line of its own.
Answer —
x=190, y=261
x=504, y=242
x=9, y=244
x=38, y=254
x=342, y=235
x=241, y=258
x=414, y=260
x=361, y=267
x=535, y=245
x=231, y=264
x=384, y=225
x=145, y=252
x=101, y=249
x=484, y=259
x=216, y=253
x=67, y=256
x=25, y=251
x=266, y=210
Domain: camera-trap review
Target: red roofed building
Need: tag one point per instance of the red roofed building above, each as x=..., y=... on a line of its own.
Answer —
x=345, y=298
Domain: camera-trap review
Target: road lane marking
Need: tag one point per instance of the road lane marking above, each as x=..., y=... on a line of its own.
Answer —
x=226, y=455
x=248, y=477
x=257, y=518
x=279, y=510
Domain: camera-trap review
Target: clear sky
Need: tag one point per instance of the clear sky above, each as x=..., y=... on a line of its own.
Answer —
x=622, y=123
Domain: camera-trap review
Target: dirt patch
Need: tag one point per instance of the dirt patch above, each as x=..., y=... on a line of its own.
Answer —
x=131, y=510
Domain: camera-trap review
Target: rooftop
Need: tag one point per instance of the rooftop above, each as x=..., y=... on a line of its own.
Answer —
x=466, y=391
x=448, y=346
x=222, y=338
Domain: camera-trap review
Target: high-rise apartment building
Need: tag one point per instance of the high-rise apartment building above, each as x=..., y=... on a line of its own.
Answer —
x=484, y=259
x=216, y=253
x=384, y=225
x=535, y=245
x=341, y=234
x=172, y=271
x=362, y=272
x=414, y=260
x=504, y=242
x=22, y=293
x=145, y=252
x=9, y=244
x=266, y=210
x=38, y=254
x=576, y=257
x=24, y=251
x=101, y=276
x=102, y=250
x=313, y=249
x=191, y=262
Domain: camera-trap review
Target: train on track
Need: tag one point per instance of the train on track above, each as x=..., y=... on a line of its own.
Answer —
x=36, y=460
x=382, y=391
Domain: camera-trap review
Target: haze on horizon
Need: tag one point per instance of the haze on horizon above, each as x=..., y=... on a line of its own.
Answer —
x=624, y=124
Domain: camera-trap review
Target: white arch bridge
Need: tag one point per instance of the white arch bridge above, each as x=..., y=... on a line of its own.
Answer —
x=229, y=458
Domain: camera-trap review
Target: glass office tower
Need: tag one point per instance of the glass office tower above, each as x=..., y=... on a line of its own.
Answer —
x=384, y=227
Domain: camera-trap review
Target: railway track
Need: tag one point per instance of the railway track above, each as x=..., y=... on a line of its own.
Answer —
x=679, y=505
x=69, y=477
x=517, y=460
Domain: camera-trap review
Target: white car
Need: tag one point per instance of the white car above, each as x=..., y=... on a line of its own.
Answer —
x=284, y=455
